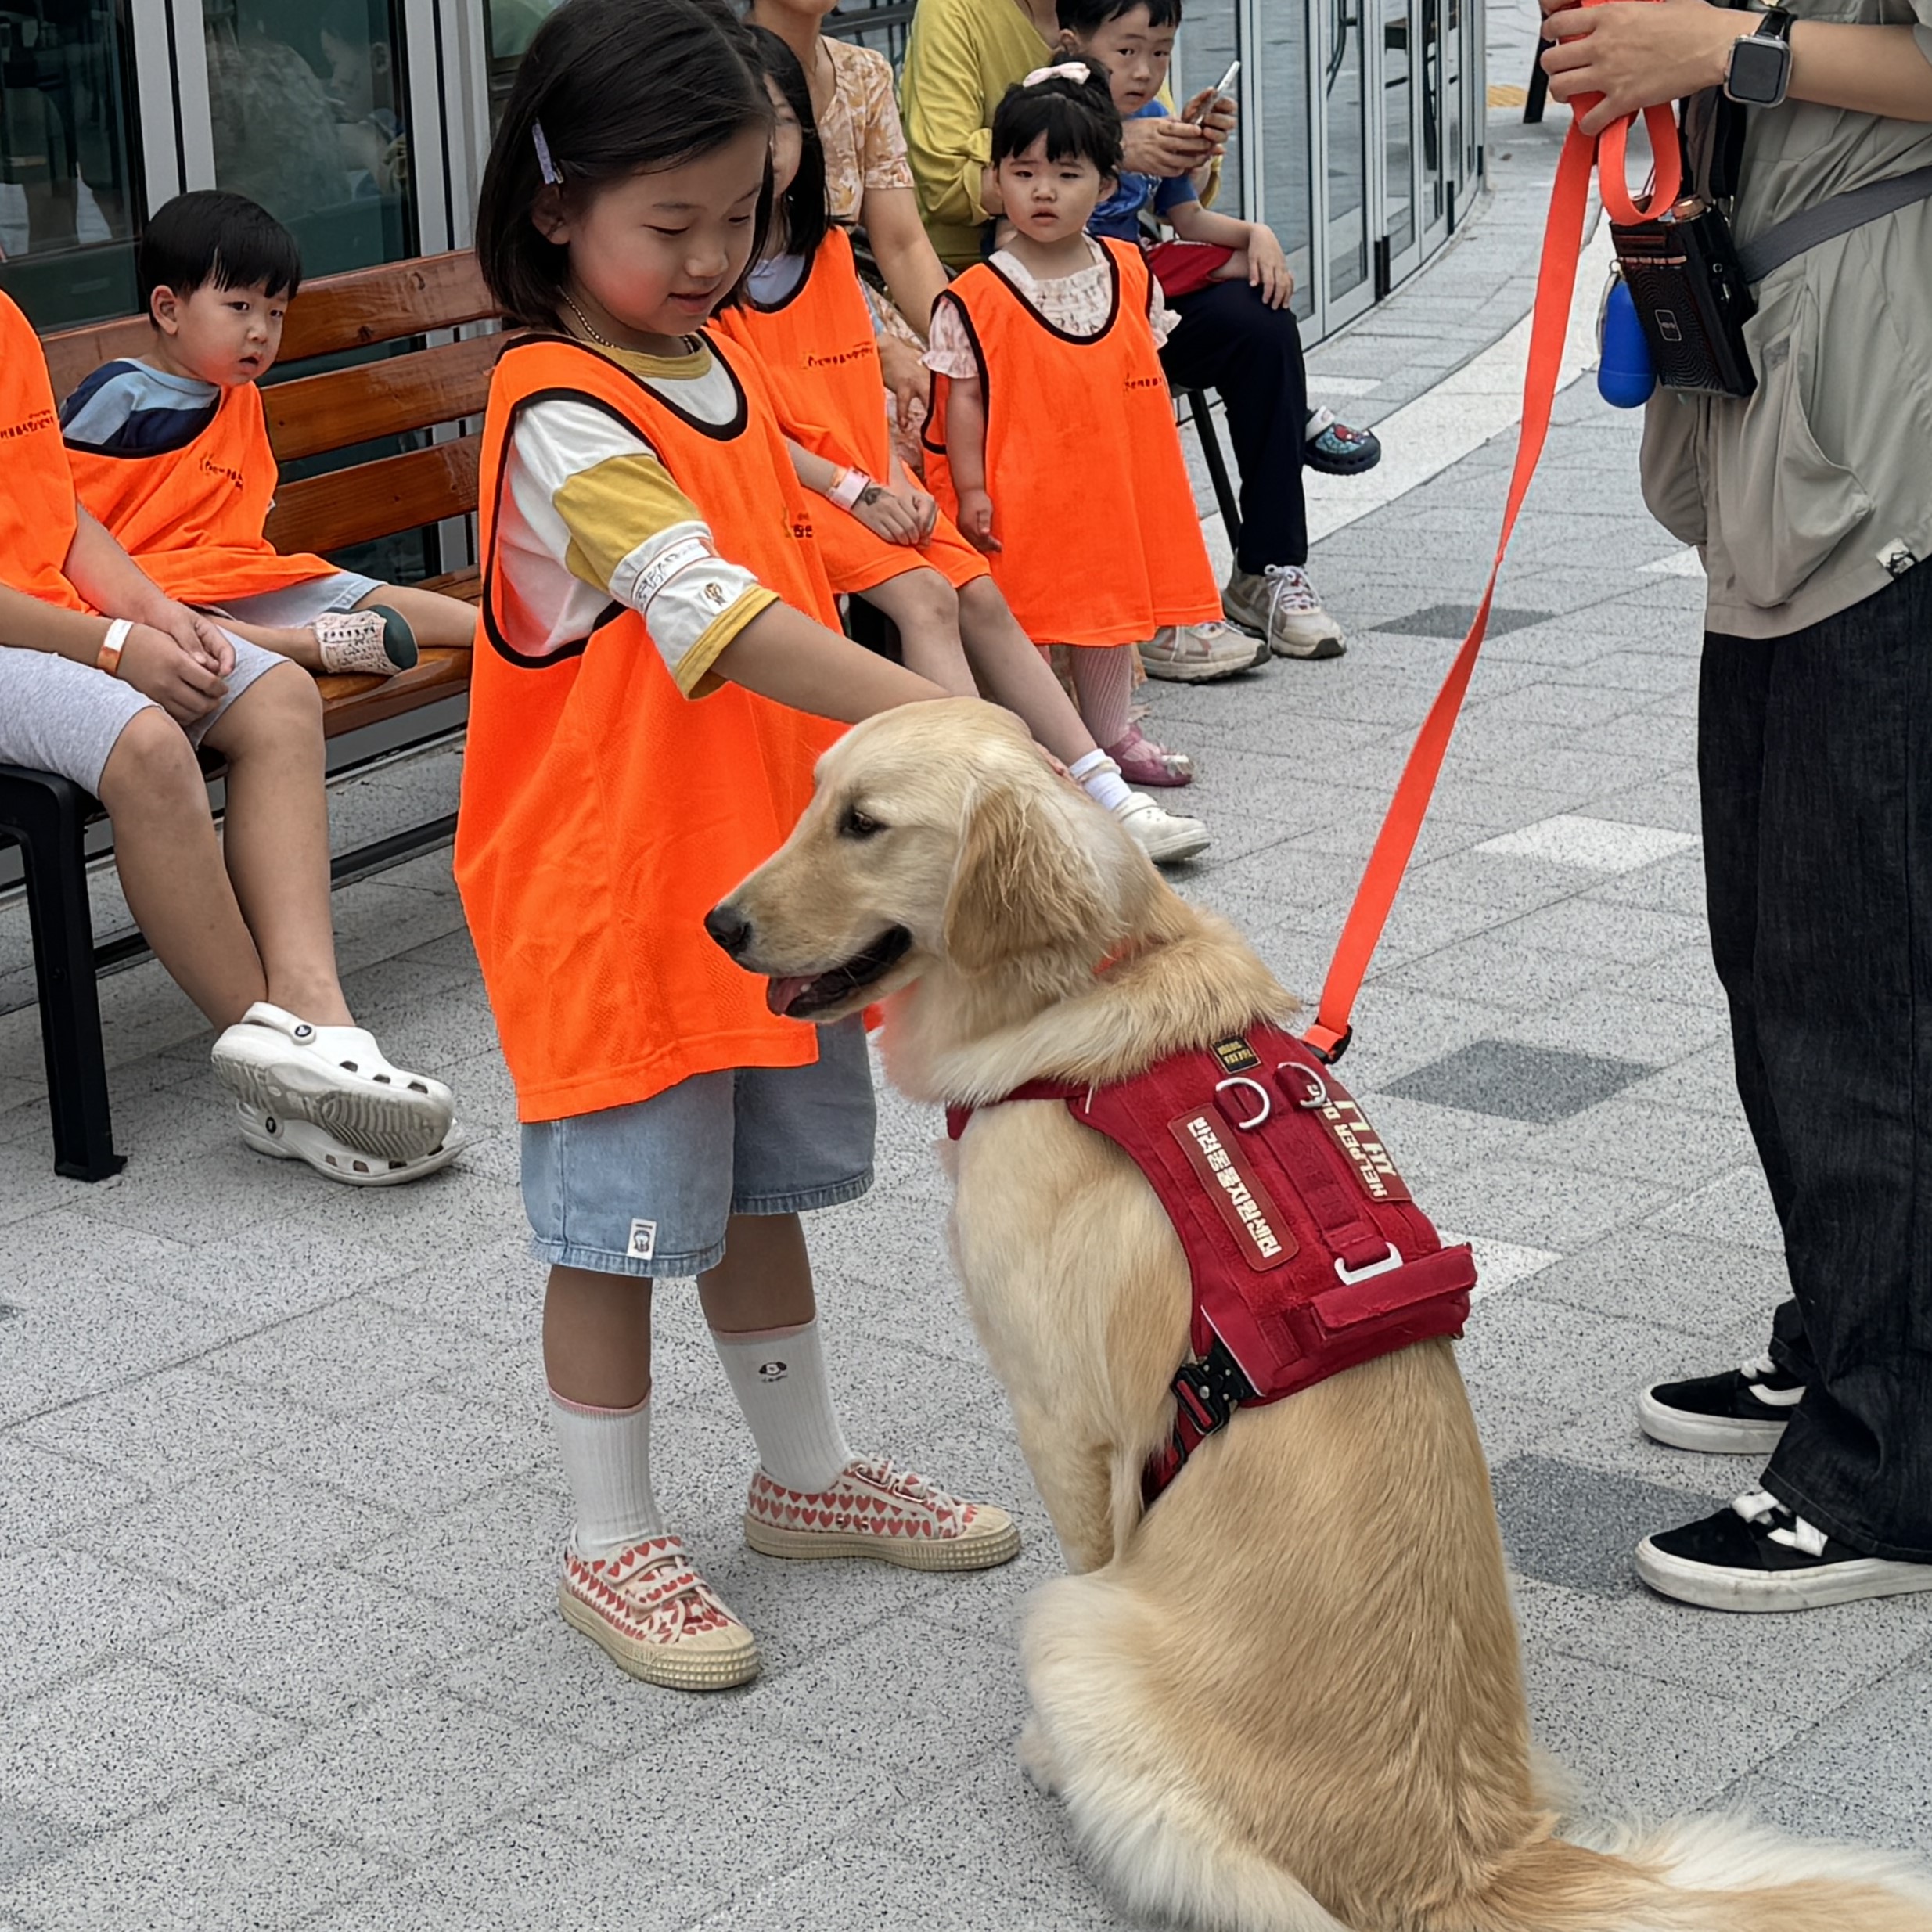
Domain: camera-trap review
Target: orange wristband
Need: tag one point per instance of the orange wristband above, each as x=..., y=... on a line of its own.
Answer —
x=108, y=657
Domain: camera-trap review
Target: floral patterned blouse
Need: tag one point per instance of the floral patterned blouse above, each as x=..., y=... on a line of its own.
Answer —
x=865, y=146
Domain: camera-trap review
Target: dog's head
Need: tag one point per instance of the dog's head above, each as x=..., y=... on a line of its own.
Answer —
x=937, y=833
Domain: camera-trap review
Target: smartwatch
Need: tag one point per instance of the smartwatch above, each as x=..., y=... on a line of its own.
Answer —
x=1760, y=69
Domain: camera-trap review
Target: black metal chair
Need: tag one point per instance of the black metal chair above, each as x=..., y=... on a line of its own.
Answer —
x=1201, y=413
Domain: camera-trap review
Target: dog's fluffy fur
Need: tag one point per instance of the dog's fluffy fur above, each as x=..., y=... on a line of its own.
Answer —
x=1288, y=1697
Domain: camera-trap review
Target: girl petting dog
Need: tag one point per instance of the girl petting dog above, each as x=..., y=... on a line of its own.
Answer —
x=1048, y=357
x=657, y=656
x=803, y=316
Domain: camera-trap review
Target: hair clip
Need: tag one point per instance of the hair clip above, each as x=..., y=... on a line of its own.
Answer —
x=547, y=167
x=1077, y=71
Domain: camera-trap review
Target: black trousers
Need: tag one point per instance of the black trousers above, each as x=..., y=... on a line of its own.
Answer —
x=1814, y=762
x=1230, y=340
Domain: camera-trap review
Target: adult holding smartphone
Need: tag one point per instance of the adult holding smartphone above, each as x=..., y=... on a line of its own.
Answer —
x=1811, y=503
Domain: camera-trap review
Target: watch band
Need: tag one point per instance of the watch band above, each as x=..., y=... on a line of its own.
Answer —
x=108, y=657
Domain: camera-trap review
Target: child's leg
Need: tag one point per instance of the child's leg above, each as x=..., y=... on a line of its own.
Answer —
x=922, y=603
x=758, y=1301
x=276, y=836
x=301, y=647
x=1103, y=682
x=1015, y=674
x=439, y=622
x=597, y=1359
x=169, y=862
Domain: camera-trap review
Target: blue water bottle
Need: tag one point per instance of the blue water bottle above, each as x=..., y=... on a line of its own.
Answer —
x=1625, y=375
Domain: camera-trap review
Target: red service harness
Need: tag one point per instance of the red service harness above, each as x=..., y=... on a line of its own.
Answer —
x=1306, y=1254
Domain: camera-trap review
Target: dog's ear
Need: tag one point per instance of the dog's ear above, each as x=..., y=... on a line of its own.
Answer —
x=1023, y=884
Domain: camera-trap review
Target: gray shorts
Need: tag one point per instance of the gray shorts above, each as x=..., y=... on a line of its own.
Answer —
x=58, y=716
x=297, y=606
x=647, y=1189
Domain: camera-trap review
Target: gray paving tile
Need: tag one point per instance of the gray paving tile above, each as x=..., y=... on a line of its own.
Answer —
x=1904, y=1825
x=242, y=1531
x=1539, y=1205
x=1453, y=620
x=329, y=1640
x=51, y=1636
x=1705, y=1288
x=26, y=1840
x=1520, y=1083
x=1567, y=1525
x=42, y=1493
x=1736, y=1206
x=495, y=1558
x=412, y=1773
x=94, y=1752
x=1872, y=1749
x=203, y=1861
x=160, y=1429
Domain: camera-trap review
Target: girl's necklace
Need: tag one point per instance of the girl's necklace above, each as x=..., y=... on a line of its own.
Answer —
x=589, y=328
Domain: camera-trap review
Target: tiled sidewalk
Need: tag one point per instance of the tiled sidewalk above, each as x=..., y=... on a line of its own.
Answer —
x=280, y=1514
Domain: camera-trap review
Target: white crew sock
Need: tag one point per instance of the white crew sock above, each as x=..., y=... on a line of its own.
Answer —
x=607, y=1462
x=1101, y=778
x=777, y=1375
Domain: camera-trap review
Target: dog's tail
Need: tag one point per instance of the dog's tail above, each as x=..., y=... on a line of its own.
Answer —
x=1718, y=1874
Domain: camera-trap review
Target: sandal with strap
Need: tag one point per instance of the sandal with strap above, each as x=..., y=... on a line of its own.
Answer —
x=375, y=642
x=335, y=1077
x=289, y=1139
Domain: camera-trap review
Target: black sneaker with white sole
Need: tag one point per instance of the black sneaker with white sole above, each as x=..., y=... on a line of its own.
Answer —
x=1740, y=1412
x=1758, y=1556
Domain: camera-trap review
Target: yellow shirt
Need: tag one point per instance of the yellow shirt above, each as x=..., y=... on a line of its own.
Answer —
x=961, y=56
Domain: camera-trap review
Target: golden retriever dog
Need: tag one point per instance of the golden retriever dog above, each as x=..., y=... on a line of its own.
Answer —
x=1288, y=1695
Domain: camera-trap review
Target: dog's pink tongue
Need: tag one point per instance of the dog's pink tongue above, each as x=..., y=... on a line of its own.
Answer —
x=780, y=992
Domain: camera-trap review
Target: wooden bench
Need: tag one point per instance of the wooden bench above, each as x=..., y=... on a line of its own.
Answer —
x=414, y=390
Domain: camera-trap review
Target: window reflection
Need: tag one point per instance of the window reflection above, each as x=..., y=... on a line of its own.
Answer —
x=1347, y=183
x=69, y=159
x=306, y=107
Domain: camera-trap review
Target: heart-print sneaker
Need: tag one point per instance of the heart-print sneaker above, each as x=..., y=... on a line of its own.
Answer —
x=658, y=1619
x=877, y=1510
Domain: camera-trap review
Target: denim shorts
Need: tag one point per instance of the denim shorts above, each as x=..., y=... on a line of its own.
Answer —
x=647, y=1188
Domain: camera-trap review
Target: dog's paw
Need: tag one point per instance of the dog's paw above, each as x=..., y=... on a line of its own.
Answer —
x=1036, y=1758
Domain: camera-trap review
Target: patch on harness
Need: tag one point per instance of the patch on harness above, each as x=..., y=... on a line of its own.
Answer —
x=1262, y=1237
x=1362, y=1148
x=1236, y=1055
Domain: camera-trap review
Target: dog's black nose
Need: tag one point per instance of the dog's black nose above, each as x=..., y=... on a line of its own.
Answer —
x=730, y=928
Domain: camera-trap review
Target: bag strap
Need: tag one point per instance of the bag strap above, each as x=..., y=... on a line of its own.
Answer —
x=1555, y=281
x=1789, y=239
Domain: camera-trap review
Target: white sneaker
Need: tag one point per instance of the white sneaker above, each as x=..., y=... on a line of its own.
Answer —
x=1280, y=607
x=1165, y=836
x=1197, y=654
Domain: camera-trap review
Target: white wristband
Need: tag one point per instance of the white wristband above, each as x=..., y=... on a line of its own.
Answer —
x=848, y=486
x=108, y=657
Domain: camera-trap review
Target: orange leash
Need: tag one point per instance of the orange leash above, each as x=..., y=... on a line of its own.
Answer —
x=1563, y=248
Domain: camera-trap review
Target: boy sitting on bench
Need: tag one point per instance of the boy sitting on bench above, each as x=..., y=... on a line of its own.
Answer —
x=171, y=453
x=107, y=680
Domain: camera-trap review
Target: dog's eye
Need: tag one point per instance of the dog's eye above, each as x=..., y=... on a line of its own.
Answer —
x=855, y=825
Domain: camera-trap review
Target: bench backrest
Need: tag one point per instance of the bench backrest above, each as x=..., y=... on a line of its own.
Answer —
x=311, y=415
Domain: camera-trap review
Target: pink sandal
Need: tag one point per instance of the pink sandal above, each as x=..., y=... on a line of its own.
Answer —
x=1143, y=762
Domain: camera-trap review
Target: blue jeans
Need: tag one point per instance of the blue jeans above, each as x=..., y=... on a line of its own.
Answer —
x=1815, y=763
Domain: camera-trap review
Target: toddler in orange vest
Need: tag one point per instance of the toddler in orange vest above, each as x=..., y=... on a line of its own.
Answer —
x=804, y=314
x=110, y=683
x=1052, y=440
x=172, y=452
x=656, y=663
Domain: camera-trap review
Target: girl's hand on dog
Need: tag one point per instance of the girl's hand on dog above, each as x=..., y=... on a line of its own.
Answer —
x=975, y=521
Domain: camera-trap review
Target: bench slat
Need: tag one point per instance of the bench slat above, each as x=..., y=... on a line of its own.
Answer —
x=377, y=499
x=76, y=353
x=406, y=298
x=349, y=702
x=346, y=406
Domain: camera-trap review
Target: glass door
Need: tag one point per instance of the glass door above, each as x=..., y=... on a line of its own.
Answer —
x=1395, y=43
x=1439, y=121
x=1281, y=83
x=1347, y=283
x=72, y=192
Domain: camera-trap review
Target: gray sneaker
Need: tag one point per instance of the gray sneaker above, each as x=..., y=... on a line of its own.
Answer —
x=1280, y=607
x=1197, y=654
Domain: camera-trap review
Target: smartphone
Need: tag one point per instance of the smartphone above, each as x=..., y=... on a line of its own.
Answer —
x=1220, y=87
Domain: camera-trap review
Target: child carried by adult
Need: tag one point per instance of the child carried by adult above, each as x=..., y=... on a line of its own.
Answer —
x=170, y=451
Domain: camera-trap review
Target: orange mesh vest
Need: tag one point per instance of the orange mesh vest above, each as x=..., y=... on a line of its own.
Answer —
x=821, y=361
x=192, y=517
x=37, y=513
x=1091, y=497
x=603, y=812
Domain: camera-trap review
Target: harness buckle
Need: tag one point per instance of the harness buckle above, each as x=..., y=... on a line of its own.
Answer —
x=1210, y=1390
x=1388, y=1265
